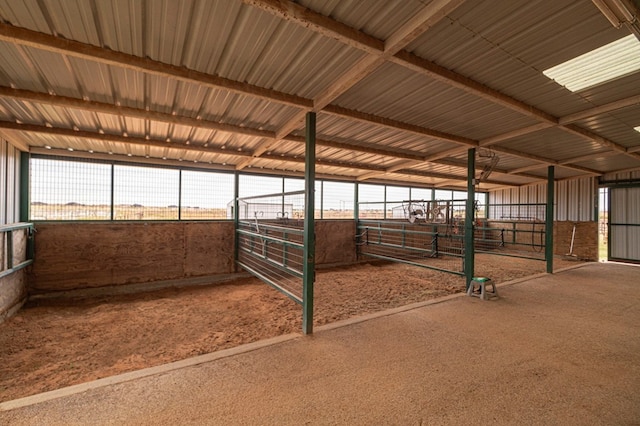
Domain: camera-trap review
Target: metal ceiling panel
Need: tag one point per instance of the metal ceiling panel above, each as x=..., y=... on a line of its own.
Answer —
x=611, y=163
x=613, y=90
x=398, y=93
x=25, y=14
x=552, y=143
x=505, y=161
x=504, y=45
x=338, y=128
x=617, y=126
x=514, y=42
x=379, y=18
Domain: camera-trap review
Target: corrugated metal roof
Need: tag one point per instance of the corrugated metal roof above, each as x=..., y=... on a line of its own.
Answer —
x=474, y=75
x=552, y=143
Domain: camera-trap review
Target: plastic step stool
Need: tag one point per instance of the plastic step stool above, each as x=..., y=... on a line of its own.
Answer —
x=478, y=288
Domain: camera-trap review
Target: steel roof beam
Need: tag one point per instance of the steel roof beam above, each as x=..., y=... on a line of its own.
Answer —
x=49, y=43
x=105, y=137
x=437, y=72
x=73, y=48
x=143, y=114
x=419, y=23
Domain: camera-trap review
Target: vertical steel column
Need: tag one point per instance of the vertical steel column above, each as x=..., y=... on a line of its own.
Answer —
x=321, y=199
x=179, y=194
x=487, y=206
x=608, y=206
x=25, y=202
x=384, y=204
x=236, y=218
x=548, y=229
x=112, y=191
x=469, y=252
x=308, y=269
x=596, y=201
x=284, y=189
x=356, y=204
x=25, y=206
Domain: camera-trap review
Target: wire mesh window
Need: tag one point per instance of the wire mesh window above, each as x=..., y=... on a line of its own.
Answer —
x=291, y=185
x=205, y=195
x=82, y=190
x=145, y=193
x=421, y=194
x=396, y=195
x=371, y=201
x=337, y=200
x=481, y=205
x=252, y=185
x=69, y=190
x=441, y=194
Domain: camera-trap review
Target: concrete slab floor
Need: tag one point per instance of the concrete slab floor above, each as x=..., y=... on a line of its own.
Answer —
x=557, y=349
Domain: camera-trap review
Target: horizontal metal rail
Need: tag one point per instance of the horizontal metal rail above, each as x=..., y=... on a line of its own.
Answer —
x=400, y=231
x=408, y=262
x=16, y=268
x=276, y=195
x=271, y=227
x=520, y=256
x=270, y=239
x=272, y=283
x=16, y=226
x=9, y=247
x=278, y=265
x=400, y=247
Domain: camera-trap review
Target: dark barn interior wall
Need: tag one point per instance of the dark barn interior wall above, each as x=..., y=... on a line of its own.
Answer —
x=89, y=255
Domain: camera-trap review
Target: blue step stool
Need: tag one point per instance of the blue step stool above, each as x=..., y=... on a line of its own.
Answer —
x=478, y=288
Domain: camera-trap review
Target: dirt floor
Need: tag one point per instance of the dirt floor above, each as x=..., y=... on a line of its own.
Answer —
x=53, y=343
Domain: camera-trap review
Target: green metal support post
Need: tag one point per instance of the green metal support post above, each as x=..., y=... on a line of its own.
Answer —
x=309, y=238
x=25, y=204
x=24, y=186
x=236, y=218
x=356, y=205
x=469, y=253
x=548, y=229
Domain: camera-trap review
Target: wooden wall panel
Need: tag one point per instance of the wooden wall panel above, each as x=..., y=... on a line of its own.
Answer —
x=13, y=293
x=209, y=249
x=84, y=255
x=585, y=244
x=88, y=255
x=335, y=242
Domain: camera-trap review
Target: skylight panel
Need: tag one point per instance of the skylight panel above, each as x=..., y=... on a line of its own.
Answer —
x=613, y=60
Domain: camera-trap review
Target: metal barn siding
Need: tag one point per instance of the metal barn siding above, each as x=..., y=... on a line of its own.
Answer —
x=624, y=225
x=9, y=179
x=625, y=176
x=3, y=181
x=574, y=199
